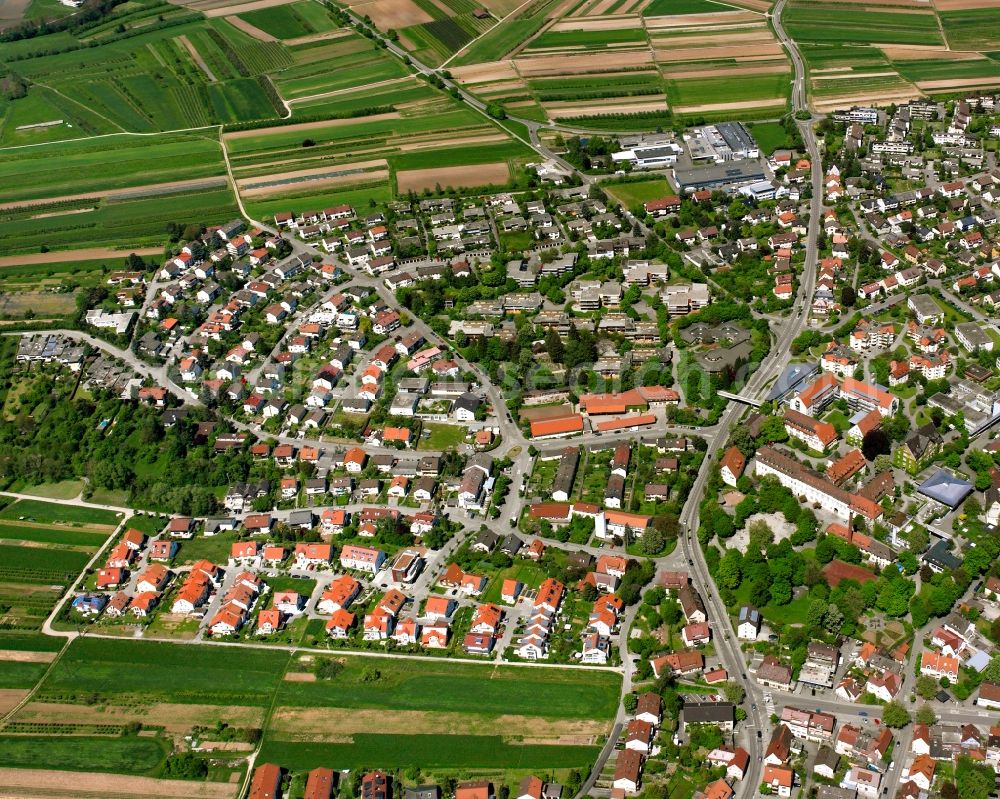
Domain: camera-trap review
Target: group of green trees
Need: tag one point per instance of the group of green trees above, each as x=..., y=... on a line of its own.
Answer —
x=120, y=446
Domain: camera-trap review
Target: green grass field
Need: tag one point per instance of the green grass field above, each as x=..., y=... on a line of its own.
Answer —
x=817, y=22
x=167, y=672
x=18, y=675
x=431, y=752
x=112, y=671
x=48, y=535
x=292, y=20
x=770, y=136
x=443, y=436
x=124, y=755
x=114, y=162
x=64, y=489
x=972, y=29
x=460, y=688
x=706, y=91
x=48, y=513
x=662, y=8
x=633, y=194
x=589, y=39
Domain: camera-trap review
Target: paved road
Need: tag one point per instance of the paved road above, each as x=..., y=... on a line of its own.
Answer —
x=725, y=642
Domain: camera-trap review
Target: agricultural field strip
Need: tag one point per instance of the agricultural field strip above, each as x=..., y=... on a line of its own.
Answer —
x=431, y=701
x=93, y=168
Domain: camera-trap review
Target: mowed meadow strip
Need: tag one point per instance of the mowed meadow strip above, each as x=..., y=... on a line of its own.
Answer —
x=440, y=686
x=443, y=752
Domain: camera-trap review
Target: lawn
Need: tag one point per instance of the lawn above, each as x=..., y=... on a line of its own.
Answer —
x=524, y=572
x=838, y=420
x=49, y=513
x=633, y=194
x=770, y=136
x=108, y=496
x=443, y=436
x=150, y=525
x=792, y=613
x=214, y=548
x=517, y=241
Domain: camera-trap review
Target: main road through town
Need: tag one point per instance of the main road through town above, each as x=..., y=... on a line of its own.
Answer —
x=756, y=731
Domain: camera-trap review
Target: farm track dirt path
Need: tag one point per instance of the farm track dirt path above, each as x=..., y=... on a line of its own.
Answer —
x=304, y=126
x=196, y=57
x=314, y=37
x=351, y=90
x=230, y=10
x=77, y=102
x=250, y=30
x=90, y=253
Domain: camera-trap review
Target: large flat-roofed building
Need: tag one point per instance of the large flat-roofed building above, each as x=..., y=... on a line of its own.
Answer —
x=979, y=407
x=866, y=116
x=727, y=176
x=971, y=336
x=648, y=156
x=925, y=309
x=725, y=141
